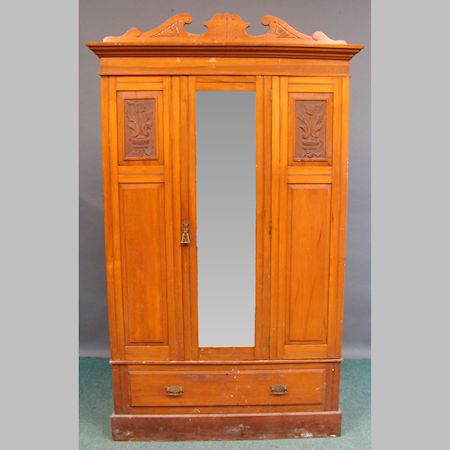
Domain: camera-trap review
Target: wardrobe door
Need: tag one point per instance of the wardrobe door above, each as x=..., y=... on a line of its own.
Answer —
x=140, y=191
x=309, y=216
x=226, y=167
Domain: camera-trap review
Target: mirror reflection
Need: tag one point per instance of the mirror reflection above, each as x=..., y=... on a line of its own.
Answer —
x=226, y=217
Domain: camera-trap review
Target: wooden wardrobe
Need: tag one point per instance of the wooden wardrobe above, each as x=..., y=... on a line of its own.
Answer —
x=166, y=385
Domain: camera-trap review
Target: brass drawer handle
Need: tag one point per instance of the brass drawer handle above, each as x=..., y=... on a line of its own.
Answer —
x=174, y=391
x=279, y=389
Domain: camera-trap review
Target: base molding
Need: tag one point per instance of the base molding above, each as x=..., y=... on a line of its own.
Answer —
x=198, y=427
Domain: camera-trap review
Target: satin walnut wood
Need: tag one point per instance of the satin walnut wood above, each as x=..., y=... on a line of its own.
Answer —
x=165, y=386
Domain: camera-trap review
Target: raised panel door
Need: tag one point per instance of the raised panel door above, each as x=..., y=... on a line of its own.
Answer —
x=141, y=183
x=307, y=258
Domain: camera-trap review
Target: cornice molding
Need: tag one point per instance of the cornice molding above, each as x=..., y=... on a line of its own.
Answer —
x=226, y=35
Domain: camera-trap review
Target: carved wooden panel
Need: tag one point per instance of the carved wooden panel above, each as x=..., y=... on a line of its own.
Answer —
x=311, y=128
x=140, y=128
x=140, y=125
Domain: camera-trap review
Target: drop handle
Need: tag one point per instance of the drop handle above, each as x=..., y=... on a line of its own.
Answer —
x=279, y=389
x=185, y=239
x=174, y=391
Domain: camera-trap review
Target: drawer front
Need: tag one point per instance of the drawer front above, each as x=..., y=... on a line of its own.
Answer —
x=233, y=387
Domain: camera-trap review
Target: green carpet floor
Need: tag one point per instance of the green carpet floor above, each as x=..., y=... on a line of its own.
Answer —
x=96, y=406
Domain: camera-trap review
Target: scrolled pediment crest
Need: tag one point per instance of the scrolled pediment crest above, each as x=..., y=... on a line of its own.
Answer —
x=222, y=28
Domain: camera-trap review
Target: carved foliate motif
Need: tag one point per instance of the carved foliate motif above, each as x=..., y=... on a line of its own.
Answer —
x=140, y=128
x=310, y=130
x=222, y=28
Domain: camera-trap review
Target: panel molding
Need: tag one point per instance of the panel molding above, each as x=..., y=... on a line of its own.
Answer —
x=291, y=180
x=140, y=127
x=310, y=128
x=307, y=272
x=134, y=175
x=143, y=263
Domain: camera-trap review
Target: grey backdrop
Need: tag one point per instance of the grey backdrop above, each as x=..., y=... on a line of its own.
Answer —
x=340, y=19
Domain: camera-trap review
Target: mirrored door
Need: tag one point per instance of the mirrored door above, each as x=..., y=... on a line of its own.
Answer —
x=227, y=172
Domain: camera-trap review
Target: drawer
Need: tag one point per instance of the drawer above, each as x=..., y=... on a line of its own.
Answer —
x=233, y=387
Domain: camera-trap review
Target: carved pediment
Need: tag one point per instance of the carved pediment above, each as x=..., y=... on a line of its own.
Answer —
x=222, y=28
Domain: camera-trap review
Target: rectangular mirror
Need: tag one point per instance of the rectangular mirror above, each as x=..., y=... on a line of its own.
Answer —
x=226, y=217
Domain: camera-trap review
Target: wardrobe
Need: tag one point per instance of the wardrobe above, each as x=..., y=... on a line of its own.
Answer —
x=225, y=186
